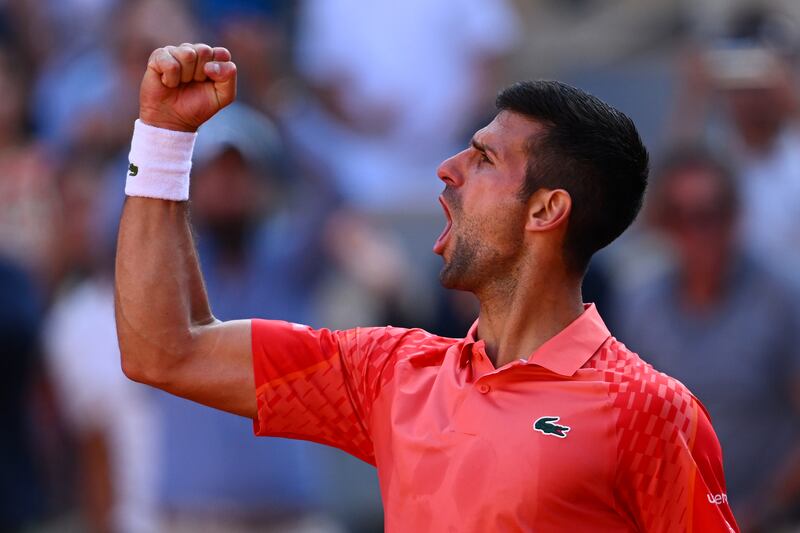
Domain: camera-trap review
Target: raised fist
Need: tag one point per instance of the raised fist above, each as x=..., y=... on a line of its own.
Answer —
x=186, y=85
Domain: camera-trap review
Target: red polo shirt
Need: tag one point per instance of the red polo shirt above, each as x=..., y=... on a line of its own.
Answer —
x=581, y=434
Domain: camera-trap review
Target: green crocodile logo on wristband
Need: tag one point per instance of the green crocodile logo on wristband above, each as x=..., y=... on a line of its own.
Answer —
x=133, y=169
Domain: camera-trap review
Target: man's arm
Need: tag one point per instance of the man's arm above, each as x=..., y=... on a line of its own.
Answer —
x=669, y=463
x=168, y=337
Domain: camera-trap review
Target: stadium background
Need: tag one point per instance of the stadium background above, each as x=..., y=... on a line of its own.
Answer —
x=315, y=201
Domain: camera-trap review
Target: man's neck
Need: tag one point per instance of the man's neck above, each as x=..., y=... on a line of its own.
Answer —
x=513, y=324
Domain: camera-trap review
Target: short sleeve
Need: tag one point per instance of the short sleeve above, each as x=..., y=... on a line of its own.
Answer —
x=669, y=474
x=320, y=385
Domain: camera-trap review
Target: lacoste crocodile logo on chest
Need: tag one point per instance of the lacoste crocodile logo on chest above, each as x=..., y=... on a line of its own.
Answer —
x=547, y=425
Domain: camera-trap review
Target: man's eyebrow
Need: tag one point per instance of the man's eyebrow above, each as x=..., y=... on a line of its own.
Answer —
x=481, y=147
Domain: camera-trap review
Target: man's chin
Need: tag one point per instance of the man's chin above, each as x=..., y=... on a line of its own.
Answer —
x=458, y=271
x=451, y=279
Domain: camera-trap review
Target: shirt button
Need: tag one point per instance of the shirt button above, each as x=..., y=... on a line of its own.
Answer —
x=484, y=389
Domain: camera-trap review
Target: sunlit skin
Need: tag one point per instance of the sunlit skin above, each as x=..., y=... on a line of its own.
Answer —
x=506, y=250
x=482, y=185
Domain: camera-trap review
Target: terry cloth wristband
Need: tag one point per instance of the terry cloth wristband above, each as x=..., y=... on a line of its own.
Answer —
x=160, y=161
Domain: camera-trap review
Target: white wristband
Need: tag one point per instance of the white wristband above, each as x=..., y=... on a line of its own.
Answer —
x=160, y=161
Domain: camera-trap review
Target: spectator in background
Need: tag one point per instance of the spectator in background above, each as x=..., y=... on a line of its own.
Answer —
x=260, y=256
x=726, y=327
x=21, y=496
x=399, y=84
x=751, y=71
x=110, y=418
x=70, y=113
x=256, y=33
x=28, y=199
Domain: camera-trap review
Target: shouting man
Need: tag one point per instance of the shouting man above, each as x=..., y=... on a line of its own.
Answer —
x=538, y=420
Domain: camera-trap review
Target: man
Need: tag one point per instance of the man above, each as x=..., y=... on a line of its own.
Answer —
x=727, y=327
x=538, y=420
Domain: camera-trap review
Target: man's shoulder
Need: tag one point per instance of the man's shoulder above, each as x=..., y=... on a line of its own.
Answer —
x=389, y=345
x=395, y=339
x=646, y=400
x=377, y=352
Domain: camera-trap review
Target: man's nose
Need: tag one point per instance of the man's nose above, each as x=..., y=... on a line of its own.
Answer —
x=449, y=172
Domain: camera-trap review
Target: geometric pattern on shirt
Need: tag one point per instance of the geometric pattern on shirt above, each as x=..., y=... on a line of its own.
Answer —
x=656, y=422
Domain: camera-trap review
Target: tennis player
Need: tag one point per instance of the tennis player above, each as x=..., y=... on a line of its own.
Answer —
x=537, y=420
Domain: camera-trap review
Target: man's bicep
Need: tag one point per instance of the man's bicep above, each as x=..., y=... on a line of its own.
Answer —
x=218, y=370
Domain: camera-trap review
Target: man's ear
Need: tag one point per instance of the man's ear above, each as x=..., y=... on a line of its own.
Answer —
x=548, y=209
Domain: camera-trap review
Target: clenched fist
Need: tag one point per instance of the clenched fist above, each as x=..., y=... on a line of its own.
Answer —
x=186, y=85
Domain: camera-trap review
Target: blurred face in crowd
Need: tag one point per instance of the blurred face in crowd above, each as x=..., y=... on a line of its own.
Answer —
x=483, y=238
x=227, y=195
x=699, y=218
x=757, y=109
x=760, y=110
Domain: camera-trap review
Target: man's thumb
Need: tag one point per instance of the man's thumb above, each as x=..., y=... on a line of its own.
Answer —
x=223, y=74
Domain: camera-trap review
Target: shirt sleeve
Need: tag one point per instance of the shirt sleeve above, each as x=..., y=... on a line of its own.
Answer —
x=670, y=476
x=320, y=385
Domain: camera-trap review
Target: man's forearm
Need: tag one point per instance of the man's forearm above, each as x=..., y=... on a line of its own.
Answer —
x=159, y=289
x=168, y=337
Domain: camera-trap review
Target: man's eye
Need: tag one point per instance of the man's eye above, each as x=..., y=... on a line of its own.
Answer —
x=484, y=158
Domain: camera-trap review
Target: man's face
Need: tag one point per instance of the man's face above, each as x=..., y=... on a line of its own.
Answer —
x=483, y=239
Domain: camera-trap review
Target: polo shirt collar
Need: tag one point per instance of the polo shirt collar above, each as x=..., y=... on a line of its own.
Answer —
x=570, y=348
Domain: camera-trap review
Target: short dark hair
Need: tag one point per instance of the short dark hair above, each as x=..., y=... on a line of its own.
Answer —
x=589, y=149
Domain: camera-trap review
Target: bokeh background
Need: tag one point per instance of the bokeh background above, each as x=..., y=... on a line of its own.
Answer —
x=314, y=200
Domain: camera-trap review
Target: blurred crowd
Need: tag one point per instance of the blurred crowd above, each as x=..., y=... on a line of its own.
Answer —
x=314, y=200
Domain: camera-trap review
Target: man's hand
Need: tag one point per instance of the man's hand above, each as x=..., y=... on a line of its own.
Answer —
x=186, y=85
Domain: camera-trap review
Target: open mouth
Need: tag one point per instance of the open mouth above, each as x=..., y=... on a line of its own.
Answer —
x=438, y=247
